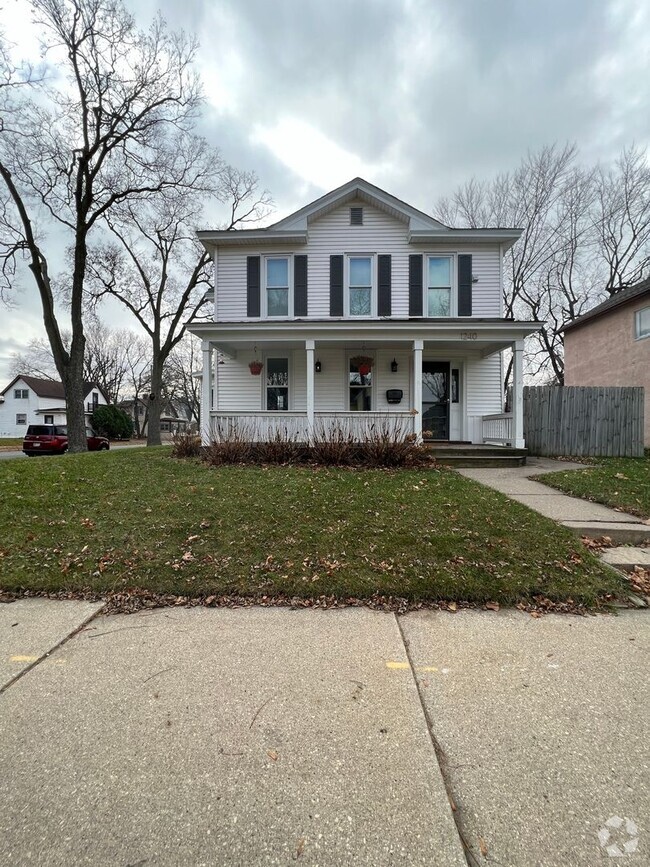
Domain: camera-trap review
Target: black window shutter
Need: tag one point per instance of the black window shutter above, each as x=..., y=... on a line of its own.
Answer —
x=336, y=285
x=299, y=285
x=252, y=286
x=384, y=294
x=415, y=285
x=464, y=285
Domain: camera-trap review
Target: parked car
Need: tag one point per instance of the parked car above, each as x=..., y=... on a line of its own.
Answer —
x=52, y=439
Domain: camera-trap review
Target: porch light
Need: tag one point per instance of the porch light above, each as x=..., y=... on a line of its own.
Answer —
x=393, y=366
x=318, y=366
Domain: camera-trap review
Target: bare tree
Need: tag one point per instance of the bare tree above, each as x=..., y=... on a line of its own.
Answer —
x=111, y=129
x=109, y=358
x=156, y=267
x=181, y=380
x=586, y=234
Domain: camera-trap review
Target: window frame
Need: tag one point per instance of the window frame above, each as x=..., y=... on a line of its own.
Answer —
x=265, y=386
x=20, y=415
x=638, y=335
x=45, y=419
x=373, y=285
x=350, y=355
x=453, y=299
x=264, y=301
x=21, y=394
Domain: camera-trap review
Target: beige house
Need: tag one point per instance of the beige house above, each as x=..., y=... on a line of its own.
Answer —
x=610, y=345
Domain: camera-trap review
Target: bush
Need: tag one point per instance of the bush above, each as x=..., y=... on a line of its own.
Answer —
x=112, y=422
x=186, y=444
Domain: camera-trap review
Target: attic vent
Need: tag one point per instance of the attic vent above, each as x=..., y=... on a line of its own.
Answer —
x=356, y=216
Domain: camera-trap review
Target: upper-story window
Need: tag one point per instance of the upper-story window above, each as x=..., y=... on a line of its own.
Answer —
x=277, y=286
x=439, y=299
x=642, y=323
x=21, y=393
x=360, y=294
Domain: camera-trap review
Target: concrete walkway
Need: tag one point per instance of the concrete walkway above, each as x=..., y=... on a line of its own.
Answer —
x=581, y=516
x=274, y=737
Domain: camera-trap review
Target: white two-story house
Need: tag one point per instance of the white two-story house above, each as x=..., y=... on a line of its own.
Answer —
x=355, y=310
x=31, y=400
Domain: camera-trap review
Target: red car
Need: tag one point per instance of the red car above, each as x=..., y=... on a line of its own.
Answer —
x=52, y=439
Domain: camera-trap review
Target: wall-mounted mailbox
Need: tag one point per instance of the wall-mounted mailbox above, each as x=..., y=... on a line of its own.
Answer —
x=394, y=395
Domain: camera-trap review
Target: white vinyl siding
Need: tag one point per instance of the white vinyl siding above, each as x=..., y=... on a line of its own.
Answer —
x=332, y=234
x=483, y=393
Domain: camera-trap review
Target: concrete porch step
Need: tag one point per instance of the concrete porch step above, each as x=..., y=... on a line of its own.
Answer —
x=627, y=558
x=469, y=455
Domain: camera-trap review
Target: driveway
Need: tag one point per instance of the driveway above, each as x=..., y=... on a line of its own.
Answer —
x=271, y=736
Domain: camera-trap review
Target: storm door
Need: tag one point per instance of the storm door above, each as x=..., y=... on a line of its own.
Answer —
x=435, y=400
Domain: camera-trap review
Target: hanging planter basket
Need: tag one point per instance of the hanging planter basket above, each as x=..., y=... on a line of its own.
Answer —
x=255, y=367
x=363, y=362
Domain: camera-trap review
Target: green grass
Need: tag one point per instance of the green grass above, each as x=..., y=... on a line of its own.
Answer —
x=11, y=443
x=139, y=518
x=622, y=483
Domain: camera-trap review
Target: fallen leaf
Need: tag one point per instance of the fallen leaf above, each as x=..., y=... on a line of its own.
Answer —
x=483, y=847
x=300, y=848
x=452, y=606
x=272, y=755
x=492, y=606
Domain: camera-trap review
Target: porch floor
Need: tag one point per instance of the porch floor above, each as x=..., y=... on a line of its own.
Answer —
x=463, y=454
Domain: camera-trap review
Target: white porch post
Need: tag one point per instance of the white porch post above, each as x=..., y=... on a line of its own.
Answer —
x=518, y=394
x=310, y=345
x=206, y=393
x=418, y=346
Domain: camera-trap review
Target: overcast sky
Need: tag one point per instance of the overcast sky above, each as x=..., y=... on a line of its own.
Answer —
x=416, y=96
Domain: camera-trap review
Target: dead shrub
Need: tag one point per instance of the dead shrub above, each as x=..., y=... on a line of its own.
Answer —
x=332, y=445
x=186, y=444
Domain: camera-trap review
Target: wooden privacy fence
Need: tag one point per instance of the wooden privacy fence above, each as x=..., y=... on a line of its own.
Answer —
x=581, y=420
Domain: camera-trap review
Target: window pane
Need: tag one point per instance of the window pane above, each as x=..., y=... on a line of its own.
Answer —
x=439, y=271
x=643, y=322
x=360, y=272
x=360, y=302
x=277, y=384
x=277, y=302
x=277, y=273
x=439, y=302
x=360, y=400
x=277, y=371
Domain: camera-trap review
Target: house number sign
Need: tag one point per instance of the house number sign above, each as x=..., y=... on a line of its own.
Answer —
x=468, y=335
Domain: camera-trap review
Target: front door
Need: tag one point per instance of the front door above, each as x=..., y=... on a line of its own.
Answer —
x=435, y=400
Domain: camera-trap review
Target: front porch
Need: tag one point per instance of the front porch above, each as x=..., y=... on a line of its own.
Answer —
x=261, y=382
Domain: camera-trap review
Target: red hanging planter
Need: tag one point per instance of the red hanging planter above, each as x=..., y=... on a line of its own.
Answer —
x=363, y=363
x=255, y=367
x=364, y=369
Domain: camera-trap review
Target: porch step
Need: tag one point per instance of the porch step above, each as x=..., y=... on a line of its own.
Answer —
x=468, y=455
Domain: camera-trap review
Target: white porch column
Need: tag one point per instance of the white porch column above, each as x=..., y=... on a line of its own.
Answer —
x=206, y=392
x=310, y=345
x=518, y=394
x=418, y=346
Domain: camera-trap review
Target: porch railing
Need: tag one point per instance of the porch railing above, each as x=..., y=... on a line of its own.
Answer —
x=294, y=426
x=498, y=428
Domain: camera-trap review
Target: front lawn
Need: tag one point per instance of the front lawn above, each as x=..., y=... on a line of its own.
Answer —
x=622, y=483
x=11, y=444
x=105, y=522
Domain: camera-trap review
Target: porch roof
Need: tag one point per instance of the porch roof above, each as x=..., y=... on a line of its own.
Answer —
x=485, y=336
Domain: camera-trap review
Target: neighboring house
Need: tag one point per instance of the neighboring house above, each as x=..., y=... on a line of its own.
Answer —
x=29, y=400
x=173, y=418
x=610, y=345
x=360, y=309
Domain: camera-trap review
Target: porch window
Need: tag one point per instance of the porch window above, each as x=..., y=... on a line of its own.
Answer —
x=360, y=286
x=277, y=383
x=277, y=286
x=48, y=419
x=439, y=283
x=360, y=386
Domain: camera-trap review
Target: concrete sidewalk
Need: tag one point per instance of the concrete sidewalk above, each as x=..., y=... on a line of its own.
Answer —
x=216, y=736
x=543, y=726
x=581, y=516
x=270, y=736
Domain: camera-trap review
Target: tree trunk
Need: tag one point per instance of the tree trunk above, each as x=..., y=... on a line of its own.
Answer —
x=155, y=401
x=74, y=395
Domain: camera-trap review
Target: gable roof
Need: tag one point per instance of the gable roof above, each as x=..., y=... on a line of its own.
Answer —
x=293, y=228
x=51, y=388
x=632, y=293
